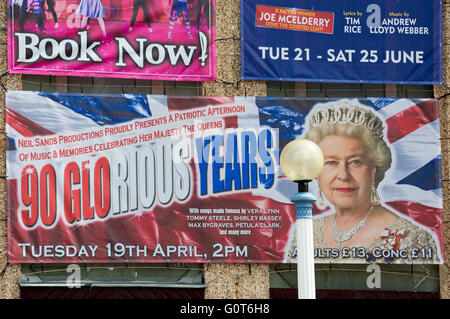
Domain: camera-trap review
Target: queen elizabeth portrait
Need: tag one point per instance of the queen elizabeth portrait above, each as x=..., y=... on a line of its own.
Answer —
x=356, y=159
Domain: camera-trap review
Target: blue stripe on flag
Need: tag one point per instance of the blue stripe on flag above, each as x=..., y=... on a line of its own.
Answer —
x=428, y=177
x=104, y=109
x=10, y=144
x=379, y=103
x=274, y=112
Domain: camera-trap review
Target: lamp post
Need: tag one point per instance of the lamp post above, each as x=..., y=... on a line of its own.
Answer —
x=301, y=161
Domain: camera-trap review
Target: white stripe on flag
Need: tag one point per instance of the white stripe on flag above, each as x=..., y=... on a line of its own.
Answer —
x=410, y=193
x=396, y=107
x=47, y=113
x=414, y=151
x=158, y=105
x=249, y=119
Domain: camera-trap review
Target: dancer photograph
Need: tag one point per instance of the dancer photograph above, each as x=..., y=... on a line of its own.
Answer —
x=51, y=8
x=178, y=9
x=137, y=4
x=202, y=9
x=92, y=9
x=35, y=7
x=19, y=8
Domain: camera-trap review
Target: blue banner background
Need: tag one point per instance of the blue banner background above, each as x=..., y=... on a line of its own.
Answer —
x=427, y=14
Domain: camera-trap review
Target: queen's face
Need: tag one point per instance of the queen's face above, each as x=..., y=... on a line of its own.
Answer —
x=347, y=176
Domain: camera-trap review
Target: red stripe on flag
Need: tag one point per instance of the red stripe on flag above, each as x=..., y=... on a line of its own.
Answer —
x=231, y=121
x=411, y=119
x=24, y=126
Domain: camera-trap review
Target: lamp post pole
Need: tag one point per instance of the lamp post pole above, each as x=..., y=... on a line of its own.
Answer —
x=302, y=161
x=305, y=242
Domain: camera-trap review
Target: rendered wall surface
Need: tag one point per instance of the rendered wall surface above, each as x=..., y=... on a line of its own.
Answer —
x=442, y=92
x=233, y=280
x=9, y=274
x=224, y=280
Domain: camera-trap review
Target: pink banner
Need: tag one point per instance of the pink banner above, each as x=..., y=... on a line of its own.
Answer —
x=142, y=39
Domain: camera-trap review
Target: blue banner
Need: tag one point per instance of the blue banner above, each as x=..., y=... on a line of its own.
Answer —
x=362, y=41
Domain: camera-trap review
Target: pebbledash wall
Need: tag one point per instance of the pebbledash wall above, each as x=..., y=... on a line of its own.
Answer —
x=222, y=280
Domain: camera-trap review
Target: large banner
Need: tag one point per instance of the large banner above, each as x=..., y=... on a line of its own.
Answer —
x=342, y=41
x=141, y=39
x=137, y=178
